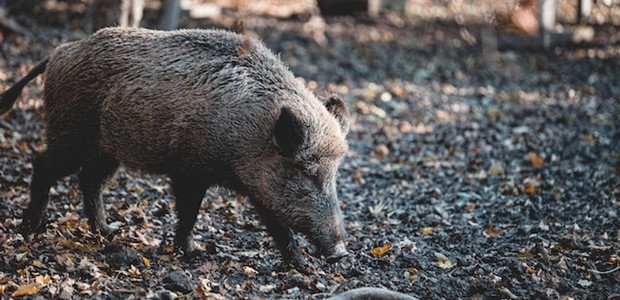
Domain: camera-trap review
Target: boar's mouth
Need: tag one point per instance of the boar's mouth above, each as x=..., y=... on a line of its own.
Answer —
x=326, y=237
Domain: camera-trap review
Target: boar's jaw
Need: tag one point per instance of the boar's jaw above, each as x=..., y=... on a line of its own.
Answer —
x=339, y=252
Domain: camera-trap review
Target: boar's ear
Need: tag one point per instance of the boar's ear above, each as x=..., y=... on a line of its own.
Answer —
x=288, y=134
x=336, y=107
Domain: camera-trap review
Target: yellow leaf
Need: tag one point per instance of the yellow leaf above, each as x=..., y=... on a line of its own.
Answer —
x=536, y=160
x=381, y=250
x=146, y=262
x=426, y=230
x=26, y=290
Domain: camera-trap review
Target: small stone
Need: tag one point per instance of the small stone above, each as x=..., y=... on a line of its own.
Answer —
x=122, y=256
x=178, y=281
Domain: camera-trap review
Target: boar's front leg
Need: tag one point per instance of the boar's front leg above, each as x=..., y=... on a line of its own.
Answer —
x=283, y=237
x=93, y=176
x=189, y=193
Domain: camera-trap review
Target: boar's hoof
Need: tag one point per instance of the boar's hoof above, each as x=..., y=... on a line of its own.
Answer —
x=28, y=227
x=293, y=256
x=189, y=249
x=297, y=260
x=103, y=230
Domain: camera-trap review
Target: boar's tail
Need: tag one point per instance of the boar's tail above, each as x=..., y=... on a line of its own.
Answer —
x=7, y=99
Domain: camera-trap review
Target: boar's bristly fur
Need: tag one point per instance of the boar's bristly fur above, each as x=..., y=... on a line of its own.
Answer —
x=187, y=104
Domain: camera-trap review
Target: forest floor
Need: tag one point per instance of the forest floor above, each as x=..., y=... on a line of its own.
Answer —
x=473, y=172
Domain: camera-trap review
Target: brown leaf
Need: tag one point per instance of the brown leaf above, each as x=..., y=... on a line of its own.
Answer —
x=381, y=152
x=528, y=189
x=413, y=273
x=531, y=186
x=26, y=290
x=536, y=160
x=381, y=250
x=492, y=231
x=24, y=147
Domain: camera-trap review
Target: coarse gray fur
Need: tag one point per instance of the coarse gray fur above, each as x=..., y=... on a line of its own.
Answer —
x=206, y=108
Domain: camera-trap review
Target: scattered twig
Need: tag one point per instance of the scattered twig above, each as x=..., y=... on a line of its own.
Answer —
x=605, y=272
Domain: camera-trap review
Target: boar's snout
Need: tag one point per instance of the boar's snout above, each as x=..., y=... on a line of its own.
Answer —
x=337, y=253
x=329, y=239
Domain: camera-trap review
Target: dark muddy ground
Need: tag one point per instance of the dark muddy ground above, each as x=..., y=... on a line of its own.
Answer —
x=473, y=173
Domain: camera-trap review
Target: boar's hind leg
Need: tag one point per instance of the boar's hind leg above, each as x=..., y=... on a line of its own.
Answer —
x=93, y=176
x=188, y=193
x=283, y=237
x=48, y=167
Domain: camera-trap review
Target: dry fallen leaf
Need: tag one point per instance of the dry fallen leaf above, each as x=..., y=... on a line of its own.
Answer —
x=413, y=273
x=266, y=288
x=562, y=264
x=250, y=271
x=24, y=147
x=531, y=186
x=495, y=278
x=43, y=280
x=496, y=170
x=529, y=269
x=381, y=250
x=133, y=271
x=146, y=262
x=37, y=263
x=535, y=159
x=405, y=127
x=381, y=152
x=443, y=261
x=26, y=290
x=426, y=230
x=492, y=231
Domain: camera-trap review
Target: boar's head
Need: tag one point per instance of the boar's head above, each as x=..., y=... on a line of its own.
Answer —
x=297, y=185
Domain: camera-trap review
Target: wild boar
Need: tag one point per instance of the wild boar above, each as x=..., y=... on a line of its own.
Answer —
x=204, y=107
